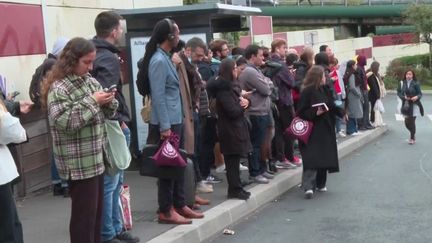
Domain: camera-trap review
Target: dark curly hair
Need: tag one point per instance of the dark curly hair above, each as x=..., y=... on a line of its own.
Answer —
x=66, y=64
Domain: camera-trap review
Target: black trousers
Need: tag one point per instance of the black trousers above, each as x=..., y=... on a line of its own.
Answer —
x=314, y=178
x=87, y=204
x=411, y=126
x=372, y=111
x=10, y=225
x=170, y=191
x=208, y=141
x=284, y=145
x=364, y=122
x=232, y=164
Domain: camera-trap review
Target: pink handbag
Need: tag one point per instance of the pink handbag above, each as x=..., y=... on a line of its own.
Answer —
x=168, y=154
x=300, y=129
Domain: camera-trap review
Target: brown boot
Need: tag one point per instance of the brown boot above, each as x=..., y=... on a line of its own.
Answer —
x=189, y=213
x=201, y=201
x=172, y=217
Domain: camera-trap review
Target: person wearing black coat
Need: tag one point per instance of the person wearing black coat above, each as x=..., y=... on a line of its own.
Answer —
x=232, y=126
x=410, y=93
x=320, y=154
x=374, y=88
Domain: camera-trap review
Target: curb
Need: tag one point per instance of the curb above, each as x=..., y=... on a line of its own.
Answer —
x=231, y=211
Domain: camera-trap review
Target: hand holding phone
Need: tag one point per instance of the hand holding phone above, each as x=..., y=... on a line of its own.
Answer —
x=112, y=88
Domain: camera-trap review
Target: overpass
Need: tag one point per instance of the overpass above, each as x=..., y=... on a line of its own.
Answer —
x=355, y=20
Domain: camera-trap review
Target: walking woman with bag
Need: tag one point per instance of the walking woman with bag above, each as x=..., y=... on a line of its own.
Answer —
x=158, y=79
x=410, y=93
x=11, y=131
x=320, y=154
x=77, y=109
x=232, y=127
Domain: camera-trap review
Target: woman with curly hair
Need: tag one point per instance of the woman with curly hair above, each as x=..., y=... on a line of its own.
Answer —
x=77, y=108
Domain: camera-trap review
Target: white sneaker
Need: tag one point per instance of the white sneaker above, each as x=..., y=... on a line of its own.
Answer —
x=324, y=189
x=203, y=187
x=308, y=194
x=259, y=179
x=341, y=134
x=220, y=169
x=242, y=167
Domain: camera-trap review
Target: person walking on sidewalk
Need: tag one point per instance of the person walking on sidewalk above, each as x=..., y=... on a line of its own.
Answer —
x=320, y=154
x=410, y=93
x=77, y=109
x=11, y=131
x=158, y=79
x=252, y=79
x=232, y=126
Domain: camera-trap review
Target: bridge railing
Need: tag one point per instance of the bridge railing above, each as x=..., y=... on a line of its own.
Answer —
x=318, y=2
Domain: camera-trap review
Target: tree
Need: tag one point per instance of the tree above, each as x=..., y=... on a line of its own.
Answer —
x=189, y=2
x=420, y=17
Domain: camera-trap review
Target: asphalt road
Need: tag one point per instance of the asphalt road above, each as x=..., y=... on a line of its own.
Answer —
x=382, y=194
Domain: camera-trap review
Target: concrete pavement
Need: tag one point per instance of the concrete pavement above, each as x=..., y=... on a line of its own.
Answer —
x=46, y=218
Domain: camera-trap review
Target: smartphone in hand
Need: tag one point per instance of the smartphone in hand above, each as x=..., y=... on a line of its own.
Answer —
x=323, y=106
x=110, y=89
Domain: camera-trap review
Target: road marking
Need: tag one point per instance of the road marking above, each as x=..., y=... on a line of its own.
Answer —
x=421, y=167
x=430, y=117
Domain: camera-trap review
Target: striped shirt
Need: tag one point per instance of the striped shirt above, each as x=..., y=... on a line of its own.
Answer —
x=77, y=127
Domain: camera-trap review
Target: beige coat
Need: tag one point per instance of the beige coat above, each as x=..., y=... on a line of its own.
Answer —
x=186, y=98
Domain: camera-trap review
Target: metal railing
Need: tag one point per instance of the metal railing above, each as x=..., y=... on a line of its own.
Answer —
x=318, y=2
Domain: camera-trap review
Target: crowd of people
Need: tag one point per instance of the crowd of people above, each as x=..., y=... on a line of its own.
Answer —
x=229, y=106
x=234, y=106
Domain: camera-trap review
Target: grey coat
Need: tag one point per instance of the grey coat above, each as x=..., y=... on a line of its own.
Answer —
x=355, y=99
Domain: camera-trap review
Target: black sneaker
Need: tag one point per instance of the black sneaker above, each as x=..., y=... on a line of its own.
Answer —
x=239, y=195
x=66, y=192
x=246, y=192
x=57, y=189
x=127, y=237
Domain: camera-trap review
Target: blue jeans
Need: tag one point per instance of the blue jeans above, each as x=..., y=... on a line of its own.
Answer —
x=351, y=126
x=112, y=218
x=55, y=178
x=257, y=134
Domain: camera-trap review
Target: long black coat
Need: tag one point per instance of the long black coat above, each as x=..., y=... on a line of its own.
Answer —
x=321, y=150
x=232, y=126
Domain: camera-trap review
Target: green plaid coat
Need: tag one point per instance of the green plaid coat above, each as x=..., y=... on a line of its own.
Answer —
x=77, y=127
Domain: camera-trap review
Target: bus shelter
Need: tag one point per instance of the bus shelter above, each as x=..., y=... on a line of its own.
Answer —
x=200, y=20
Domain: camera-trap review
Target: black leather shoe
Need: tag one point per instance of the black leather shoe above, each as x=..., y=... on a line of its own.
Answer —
x=239, y=195
x=246, y=192
x=57, y=189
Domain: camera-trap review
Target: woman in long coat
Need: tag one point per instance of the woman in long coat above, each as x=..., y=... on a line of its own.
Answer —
x=355, y=100
x=320, y=153
x=232, y=127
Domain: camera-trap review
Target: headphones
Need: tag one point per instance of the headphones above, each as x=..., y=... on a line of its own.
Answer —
x=171, y=35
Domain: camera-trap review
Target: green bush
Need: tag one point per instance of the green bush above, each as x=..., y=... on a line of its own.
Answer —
x=398, y=67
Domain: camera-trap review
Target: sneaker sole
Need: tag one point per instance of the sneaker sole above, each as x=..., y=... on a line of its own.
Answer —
x=308, y=195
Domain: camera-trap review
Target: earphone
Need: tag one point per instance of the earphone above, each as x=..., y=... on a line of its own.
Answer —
x=171, y=35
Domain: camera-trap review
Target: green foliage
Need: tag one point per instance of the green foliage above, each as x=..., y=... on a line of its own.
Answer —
x=233, y=38
x=190, y=2
x=420, y=16
x=398, y=67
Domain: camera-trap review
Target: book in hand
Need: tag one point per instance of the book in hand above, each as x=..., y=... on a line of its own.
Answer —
x=322, y=105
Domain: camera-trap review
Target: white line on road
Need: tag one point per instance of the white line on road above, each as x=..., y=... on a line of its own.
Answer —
x=421, y=167
x=430, y=117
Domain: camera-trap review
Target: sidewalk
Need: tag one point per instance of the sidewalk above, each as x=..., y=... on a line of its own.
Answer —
x=45, y=218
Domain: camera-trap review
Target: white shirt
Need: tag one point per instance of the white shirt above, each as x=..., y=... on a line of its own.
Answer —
x=11, y=131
